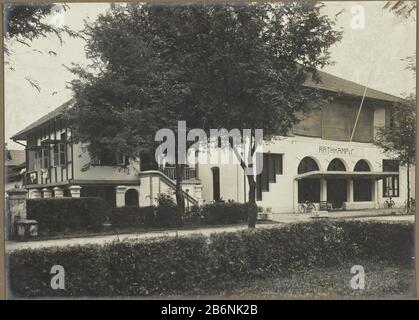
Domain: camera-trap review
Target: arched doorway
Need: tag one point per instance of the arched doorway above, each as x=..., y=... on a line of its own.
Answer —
x=336, y=187
x=308, y=189
x=362, y=187
x=131, y=198
x=216, y=184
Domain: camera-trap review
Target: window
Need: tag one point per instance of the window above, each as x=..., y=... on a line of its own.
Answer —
x=37, y=161
x=110, y=159
x=336, y=165
x=107, y=159
x=59, y=154
x=45, y=158
x=56, y=154
x=216, y=183
x=272, y=165
x=391, y=184
x=121, y=160
x=362, y=165
x=389, y=118
x=61, y=147
x=307, y=165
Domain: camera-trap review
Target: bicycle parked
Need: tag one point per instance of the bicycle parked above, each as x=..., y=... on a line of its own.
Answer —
x=306, y=207
x=389, y=203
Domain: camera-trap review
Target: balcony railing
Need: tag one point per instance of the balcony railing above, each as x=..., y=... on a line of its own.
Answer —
x=188, y=173
x=30, y=178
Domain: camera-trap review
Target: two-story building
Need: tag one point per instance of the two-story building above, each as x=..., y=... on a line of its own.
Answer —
x=317, y=161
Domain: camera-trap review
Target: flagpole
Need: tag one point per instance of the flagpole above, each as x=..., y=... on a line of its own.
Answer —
x=360, y=107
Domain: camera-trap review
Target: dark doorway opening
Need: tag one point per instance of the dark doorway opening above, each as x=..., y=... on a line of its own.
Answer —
x=336, y=188
x=309, y=190
x=336, y=192
x=362, y=187
x=131, y=198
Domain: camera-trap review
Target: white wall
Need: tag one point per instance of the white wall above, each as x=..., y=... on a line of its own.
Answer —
x=81, y=158
x=282, y=194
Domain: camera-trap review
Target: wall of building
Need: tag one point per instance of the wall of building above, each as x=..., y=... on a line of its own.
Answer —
x=96, y=172
x=282, y=194
x=335, y=121
x=54, y=173
x=231, y=176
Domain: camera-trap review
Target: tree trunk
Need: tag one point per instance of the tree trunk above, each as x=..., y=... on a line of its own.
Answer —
x=408, y=188
x=252, y=207
x=252, y=211
x=180, y=199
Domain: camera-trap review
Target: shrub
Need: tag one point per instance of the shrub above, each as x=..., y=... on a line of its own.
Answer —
x=172, y=265
x=166, y=211
x=143, y=217
x=220, y=213
x=59, y=215
x=132, y=217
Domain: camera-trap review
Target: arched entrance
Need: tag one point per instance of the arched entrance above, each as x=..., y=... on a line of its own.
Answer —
x=362, y=187
x=131, y=198
x=308, y=189
x=336, y=187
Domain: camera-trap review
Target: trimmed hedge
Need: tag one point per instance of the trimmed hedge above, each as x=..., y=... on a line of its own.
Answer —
x=174, y=265
x=57, y=216
x=132, y=217
x=60, y=215
x=219, y=213
x=144, y=217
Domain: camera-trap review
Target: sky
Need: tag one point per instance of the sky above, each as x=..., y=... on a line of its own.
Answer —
x=371, y=56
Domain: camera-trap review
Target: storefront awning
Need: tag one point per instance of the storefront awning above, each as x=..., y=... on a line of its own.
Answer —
x=376, y=175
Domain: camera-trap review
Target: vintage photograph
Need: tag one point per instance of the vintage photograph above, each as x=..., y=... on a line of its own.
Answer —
x=236, y=150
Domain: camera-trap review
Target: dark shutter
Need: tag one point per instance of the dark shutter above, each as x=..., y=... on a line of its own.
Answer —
x=216, y=183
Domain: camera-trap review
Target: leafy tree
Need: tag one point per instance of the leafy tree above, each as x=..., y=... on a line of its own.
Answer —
x=213, y=66
x=24, y=23
x=402, y=8
x=398, y=140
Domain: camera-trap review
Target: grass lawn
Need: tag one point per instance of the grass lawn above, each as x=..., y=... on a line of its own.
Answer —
x=381, y=280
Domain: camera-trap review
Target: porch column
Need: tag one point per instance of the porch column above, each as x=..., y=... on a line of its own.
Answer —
x=295, y=195
x=75, y=191
x=375, y=191
x=350, y=190
x=323, y=189
x=47, y=193
x=58, y=192
x=198, y=191
x=35, y=194
x=120, y=195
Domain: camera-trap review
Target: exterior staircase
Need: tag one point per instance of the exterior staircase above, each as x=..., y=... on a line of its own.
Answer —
x=153, y=182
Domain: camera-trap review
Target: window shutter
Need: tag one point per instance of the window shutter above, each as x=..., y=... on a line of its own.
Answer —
x=56, y=154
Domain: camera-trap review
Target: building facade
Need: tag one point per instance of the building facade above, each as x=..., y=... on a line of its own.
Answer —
x=15, y=165
x=321, y=159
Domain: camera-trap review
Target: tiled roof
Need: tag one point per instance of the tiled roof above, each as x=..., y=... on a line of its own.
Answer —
x=332, y=83
x=328, y=82
x=14, y=157
x=21, y=135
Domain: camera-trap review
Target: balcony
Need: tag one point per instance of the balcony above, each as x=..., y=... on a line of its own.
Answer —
x=30, y=178
x=188, y=173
